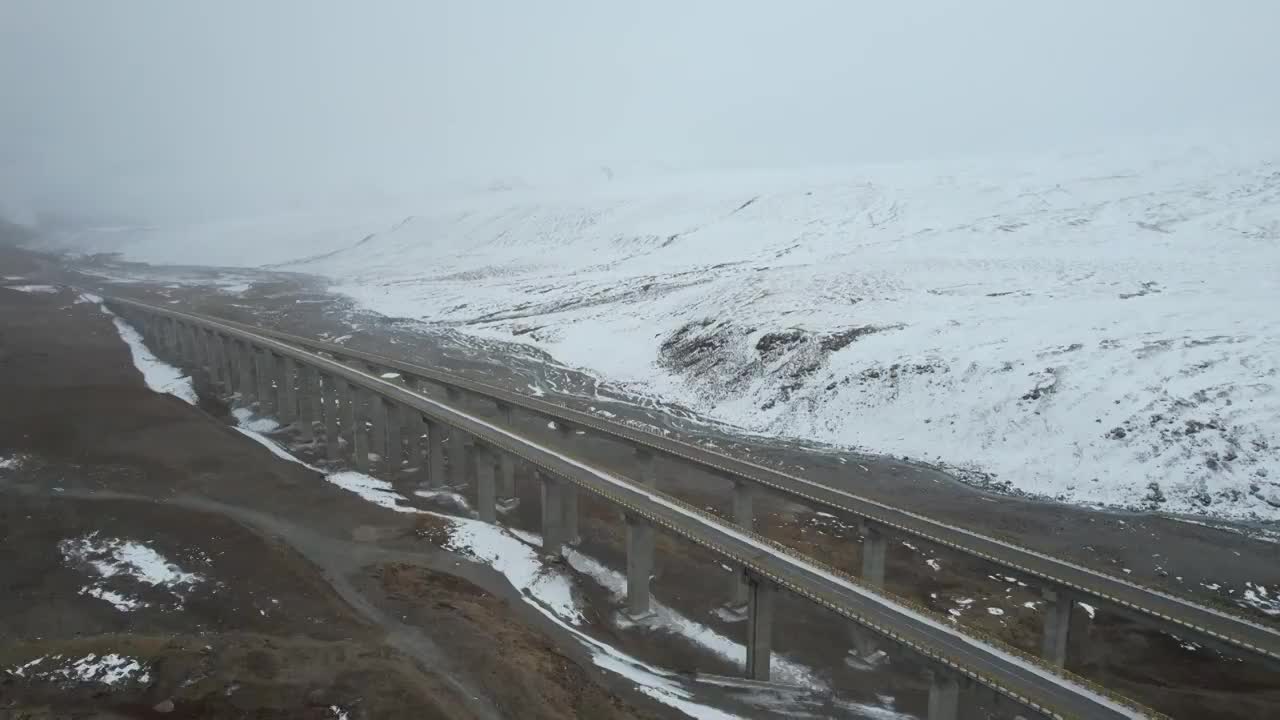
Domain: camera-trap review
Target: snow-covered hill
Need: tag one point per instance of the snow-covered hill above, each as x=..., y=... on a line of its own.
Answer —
x=1089, y=328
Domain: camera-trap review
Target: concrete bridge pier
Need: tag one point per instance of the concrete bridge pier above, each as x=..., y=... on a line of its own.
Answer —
x=486, y=486
x=377, y=410
x=411, y=428
x=944, y=695
x=743, y=516
x=435, y=455
x=552, y=492
x=266, y=388
x=457, y=458
x=1057, y=626
x=286, y=390
x=759, y=626
x=329, y=404
x=507, y=500
x=308, y=401
x=875, y=548
x=570, y=513
x=360, y=447
x=640, y=544
x=248, y=389
x=346, y=410
x=391, y=459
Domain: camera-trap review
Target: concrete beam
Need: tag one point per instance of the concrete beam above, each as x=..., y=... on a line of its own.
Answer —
x=551, y=490
x=759, y=627
x=875, y=549
x=361, y=431
x=486, y=487
x=329, y=409
x=640, y=542
x=944, y=695
x=1057, y=627
x=286, y=390
x=391, y=459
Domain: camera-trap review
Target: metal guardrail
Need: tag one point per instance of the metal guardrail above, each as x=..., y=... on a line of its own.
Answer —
x=1229, y=628
x=807, y=577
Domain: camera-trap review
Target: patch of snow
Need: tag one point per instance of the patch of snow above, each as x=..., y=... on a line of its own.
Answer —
x=246, y=419
x=995, y=611
x=121, y=602
x=110, y=669
x=536, y=391
x=112, y=556
x=13, y=462
x=1088, y=609
x=42, y=289
x=338, y=713
x=160, y=376
x=933, y=563
x=378, y=492
x=1256, y=596
x=519, y=563
x=1056, y=319
x=88, y=298
x=274, y=447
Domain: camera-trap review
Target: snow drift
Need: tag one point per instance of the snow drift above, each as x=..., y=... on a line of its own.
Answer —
x=1097, y=329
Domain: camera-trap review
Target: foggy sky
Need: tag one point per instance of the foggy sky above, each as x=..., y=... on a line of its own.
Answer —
x=172, y=109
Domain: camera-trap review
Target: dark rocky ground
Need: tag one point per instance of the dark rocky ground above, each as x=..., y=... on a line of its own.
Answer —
x=1150, y=666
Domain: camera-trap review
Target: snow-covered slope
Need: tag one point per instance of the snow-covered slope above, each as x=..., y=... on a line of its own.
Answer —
x=1089, y=328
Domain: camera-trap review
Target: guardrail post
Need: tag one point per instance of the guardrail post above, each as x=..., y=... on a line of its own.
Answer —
x=648, y=467
x=309, y=394
x=286, y=390
x=759, y=627
x=552, y=514
x=266, y=392
x=1057, y=626
x=875, y=548
x=394, y=443
x=486, y=489
x=435, y=455
x=639, y=566
x=360, y=430
x=329, y=388
x=944, y=695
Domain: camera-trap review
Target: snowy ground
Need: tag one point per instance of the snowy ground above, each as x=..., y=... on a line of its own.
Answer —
x=1092, y=328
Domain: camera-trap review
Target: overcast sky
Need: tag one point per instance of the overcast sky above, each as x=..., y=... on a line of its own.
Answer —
x=167, y=108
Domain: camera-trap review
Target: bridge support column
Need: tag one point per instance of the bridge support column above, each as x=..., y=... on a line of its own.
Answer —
x=347, y=410
x=377, y=410
x=486, y=488
x=944, y=695
x=570, y=513
x=739, y=593
x=435, y=455
x=308, y=401
x=759, y=626
x=411, y=428
x=329, y=409
x=361, y=430
x=391, y=459
x=247, y=386
x=507, y=500
x=226, y=362
x=457, y=458
x=639, y=566
x=551, y=489
x=1057, y=626
x=287, y=390
x=266, y=389
x=648, y=467
x=875, y=548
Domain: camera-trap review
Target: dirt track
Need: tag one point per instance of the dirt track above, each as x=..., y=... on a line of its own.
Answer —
x=303, y=593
